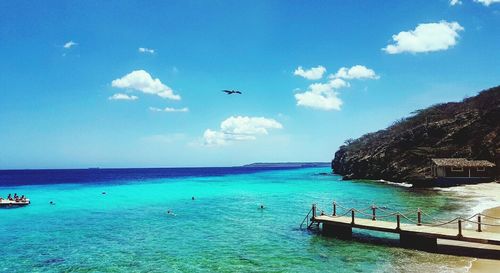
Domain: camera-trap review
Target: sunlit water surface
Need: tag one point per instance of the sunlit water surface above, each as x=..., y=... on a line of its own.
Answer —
x=222, y=230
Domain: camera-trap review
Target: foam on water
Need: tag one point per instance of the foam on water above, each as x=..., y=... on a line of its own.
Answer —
x=480, y=196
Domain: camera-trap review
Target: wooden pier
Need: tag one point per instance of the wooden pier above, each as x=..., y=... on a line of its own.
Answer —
x=413, y=234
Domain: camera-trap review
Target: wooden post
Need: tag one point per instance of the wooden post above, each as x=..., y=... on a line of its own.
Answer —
x=352, y=216
x=373, y=212
x=459, y=227
x=479, y=223
x=398, y=220
x=419, y=217
x=334, y=208
x=314, y=211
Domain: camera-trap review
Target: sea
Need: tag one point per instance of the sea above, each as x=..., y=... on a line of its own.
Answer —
x=117, y=220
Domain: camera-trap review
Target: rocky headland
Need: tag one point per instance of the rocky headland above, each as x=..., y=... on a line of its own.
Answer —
x=402, y=152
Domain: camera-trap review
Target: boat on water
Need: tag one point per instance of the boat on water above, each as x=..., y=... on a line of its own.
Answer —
x=8, y=203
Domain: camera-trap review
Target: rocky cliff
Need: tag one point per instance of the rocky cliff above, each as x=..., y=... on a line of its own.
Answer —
x=402, y=152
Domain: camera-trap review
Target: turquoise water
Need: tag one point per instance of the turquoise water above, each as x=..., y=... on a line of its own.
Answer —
x=222, y=230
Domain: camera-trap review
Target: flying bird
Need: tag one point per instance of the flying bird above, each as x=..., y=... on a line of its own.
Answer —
x=229, y=92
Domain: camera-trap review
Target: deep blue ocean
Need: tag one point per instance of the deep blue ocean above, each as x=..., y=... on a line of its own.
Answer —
x=110, y=176
x=223, y=229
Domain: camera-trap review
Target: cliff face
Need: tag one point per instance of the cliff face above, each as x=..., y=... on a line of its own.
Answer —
x=402, y=152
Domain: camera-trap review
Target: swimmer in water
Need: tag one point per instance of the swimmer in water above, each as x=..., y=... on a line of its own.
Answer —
x=169, y=212
x=261, y=206
x=192, y=198
x=52, y=203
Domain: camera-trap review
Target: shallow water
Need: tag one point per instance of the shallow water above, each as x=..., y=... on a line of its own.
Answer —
x=222, y=230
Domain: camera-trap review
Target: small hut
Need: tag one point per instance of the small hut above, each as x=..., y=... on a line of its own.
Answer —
x=462, y=169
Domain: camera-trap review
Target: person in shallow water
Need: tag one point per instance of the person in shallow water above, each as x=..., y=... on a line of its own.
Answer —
x=192, y=198
x=170, y=212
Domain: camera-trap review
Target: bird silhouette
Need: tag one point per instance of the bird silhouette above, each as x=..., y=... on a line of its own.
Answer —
x=229, y=92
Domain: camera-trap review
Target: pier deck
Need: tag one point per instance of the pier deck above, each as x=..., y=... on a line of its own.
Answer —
x=412, y=229
x=415, y=234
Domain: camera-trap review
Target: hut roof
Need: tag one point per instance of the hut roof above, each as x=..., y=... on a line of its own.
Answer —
x=461, y=162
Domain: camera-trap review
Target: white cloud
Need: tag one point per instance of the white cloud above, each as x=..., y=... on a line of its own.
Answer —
x=324, y=101
x=329, y=86
x=239, y=129
x=169, y=109
x=146, y=50
x=140, y=80
x=355, y=72
x=425, y=38
x=121, y=96
x=249, y=125
x=314, y=73
x=322, y=95
x=70, y=44
x=214, y=138
x=487, y=2
x=455, y=2
x=338, y=83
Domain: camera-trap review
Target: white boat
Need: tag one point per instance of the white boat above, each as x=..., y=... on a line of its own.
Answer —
x=14, y=203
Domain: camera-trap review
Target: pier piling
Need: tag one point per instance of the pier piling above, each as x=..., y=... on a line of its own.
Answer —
x=398, y=222
x=411, y=240
x=460, y=228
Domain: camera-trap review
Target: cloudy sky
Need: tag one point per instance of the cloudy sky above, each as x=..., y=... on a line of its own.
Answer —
x=138, y=84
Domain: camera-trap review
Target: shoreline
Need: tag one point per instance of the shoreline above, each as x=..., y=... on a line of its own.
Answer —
x=487, y=265
x=486, y=200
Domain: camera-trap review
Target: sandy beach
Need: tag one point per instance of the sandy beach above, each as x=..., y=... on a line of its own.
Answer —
x=486, y=199
x=485, y=265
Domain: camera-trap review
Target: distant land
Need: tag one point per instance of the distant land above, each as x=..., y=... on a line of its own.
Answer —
x=402, y=152
x=288, y=164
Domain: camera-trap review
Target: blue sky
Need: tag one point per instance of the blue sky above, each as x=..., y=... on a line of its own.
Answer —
x=138, y=84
